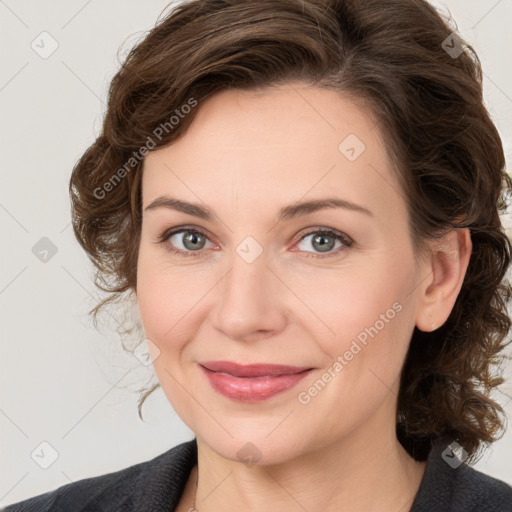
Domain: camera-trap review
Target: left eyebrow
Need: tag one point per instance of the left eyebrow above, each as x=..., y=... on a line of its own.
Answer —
x=307, y=207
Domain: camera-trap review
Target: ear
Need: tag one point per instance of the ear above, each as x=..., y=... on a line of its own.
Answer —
x=445, y=268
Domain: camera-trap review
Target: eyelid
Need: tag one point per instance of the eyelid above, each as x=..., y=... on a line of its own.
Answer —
x=177, y=229
x=323, y=229
x=346, y=240
x=164, y=237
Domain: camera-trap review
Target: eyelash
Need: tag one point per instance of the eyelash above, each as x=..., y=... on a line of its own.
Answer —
x=344, y=239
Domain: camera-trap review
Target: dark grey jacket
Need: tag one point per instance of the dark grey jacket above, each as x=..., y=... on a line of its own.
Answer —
x=156, y=486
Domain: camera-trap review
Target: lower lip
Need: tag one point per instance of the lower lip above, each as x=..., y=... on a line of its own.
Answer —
x=255, y=389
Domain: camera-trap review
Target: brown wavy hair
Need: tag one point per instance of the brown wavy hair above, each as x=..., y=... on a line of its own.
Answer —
x=394, y=56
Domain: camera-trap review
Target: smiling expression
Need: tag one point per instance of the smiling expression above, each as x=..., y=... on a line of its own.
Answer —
x=232, y=267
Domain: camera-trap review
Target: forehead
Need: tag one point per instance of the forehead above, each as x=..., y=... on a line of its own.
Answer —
x=277, y=144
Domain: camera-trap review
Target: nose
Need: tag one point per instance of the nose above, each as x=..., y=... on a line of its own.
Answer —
x=251, y=301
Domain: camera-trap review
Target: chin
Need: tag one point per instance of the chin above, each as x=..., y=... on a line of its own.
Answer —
x=253, y=447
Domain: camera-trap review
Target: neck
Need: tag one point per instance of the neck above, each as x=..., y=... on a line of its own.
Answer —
x=359, y=473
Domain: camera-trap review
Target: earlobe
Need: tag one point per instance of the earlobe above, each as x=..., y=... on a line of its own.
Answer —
x=449, y=261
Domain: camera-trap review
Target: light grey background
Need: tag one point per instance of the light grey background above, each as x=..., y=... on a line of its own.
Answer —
x=62, y=381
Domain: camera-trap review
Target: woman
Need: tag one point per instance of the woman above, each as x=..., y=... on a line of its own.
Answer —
x=304, y=198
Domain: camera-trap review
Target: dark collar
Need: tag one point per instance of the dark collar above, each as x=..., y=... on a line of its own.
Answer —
x=160, y=484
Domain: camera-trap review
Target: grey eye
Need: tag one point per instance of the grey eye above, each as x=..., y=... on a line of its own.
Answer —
x=191, y=240
x=321, y=242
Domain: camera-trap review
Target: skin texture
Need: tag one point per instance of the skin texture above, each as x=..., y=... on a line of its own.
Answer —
x=246, y=155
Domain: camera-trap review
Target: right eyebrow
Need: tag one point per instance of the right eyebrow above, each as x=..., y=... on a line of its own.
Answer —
x=182, y=206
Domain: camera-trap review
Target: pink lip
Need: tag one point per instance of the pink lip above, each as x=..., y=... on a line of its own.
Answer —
x=252, y=370
x=252, y=383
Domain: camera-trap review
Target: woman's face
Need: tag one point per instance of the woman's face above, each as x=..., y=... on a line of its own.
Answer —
x=257, y=287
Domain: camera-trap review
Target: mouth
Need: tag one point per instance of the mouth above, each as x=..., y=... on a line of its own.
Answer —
x=252, y=370
x=252, y=383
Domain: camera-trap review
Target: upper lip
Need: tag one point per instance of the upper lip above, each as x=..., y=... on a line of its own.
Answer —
x=252, y=370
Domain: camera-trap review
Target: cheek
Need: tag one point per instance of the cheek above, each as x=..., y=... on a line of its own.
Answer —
x=169, y=298
x=153, y=299
x=164, y=300
x=363, y=321
x=343, y=304
x=157, y=296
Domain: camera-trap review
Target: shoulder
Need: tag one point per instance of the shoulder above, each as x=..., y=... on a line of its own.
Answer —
x=144, y=486
x=476, y=491
x=451, y=485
